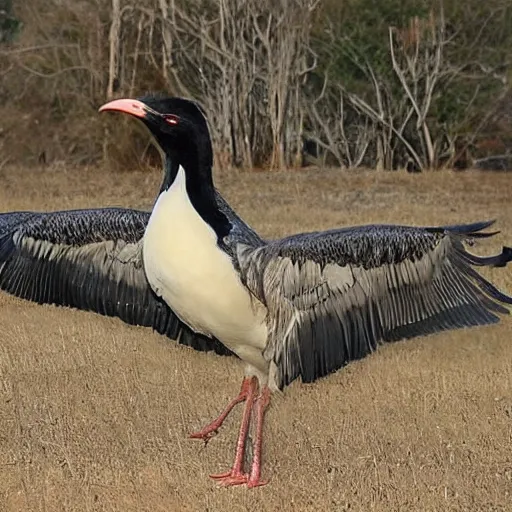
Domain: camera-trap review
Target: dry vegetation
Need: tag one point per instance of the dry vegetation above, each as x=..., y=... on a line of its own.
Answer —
x=401, y=83
x=94, y=414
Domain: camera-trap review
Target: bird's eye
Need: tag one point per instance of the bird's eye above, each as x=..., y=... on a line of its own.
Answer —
x=171, y=119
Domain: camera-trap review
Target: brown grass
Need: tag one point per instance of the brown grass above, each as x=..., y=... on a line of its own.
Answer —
x=94, y=414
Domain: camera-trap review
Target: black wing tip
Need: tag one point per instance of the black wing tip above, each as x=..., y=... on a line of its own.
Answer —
x=468, y=231
x=472, y=230
x=499, y=260
x=503, y=258
x=475, y=227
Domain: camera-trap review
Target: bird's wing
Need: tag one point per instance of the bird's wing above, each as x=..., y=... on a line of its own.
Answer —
x=332, y=296
x=91, y=260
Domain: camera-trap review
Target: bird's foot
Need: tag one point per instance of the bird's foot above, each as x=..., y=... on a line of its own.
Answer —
x=210, y=430
x=256, y=482
x=205, y=434
x=231, y=478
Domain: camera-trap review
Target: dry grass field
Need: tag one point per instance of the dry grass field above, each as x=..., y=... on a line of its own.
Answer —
x=94, y=414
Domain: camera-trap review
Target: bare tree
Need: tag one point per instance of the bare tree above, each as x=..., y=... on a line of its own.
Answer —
x=253, y=66
x=114, y=41
x=245, y=61
x=418, y=66
x=284, y=37
x=334, y=129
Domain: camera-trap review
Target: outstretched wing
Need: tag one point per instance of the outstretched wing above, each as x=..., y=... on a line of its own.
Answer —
x=91, y=260
x=333, y=296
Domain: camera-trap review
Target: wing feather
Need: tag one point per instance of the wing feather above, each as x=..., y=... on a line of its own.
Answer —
x=91, y=260
x=333, y=297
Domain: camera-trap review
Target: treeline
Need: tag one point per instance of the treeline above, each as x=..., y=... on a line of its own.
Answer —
x=400, y=83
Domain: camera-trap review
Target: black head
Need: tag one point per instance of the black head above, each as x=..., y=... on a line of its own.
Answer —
x=180, y=128
x=178, y=125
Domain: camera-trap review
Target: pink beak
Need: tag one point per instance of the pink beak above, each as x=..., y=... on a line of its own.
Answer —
x=134, y=107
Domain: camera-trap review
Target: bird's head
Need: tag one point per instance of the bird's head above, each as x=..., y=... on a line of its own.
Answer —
x=180, y=129
x=178, y=126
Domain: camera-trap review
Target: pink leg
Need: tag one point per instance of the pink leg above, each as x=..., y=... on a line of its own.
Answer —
x=211, y=429
x=236, y=475
x=261, y=405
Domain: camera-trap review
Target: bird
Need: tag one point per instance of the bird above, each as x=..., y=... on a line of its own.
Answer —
x=91, y=259
x=302, y=306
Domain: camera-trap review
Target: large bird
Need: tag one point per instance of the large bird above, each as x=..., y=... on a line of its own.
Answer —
x=303, y=306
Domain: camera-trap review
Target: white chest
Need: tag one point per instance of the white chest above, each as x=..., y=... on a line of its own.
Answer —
x=186, y=267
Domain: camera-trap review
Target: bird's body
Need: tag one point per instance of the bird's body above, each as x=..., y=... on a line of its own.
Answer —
x=300, y=307
x=303, y=306
x=189, y=279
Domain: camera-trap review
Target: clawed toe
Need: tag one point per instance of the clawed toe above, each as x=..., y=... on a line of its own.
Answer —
x=205, y=436
x=256, y=483
x=230, y=478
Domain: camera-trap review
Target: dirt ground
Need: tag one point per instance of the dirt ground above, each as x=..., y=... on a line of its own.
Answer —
x=94, y=414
